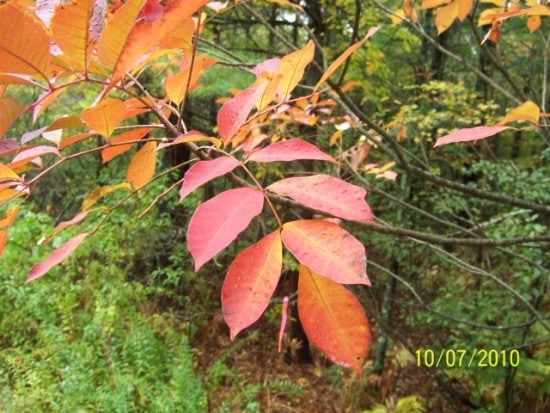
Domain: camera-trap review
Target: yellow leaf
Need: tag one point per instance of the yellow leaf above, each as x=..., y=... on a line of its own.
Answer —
x=342, y=58
x=464, y=8
x=538, y=10
x=100, y=192
x=5, y=223
x=293, y=66
x=104, y=117
x=24, y=43
x=528, y=111
x=445, y=16
x=71, y=31
x=142, y=166
x=9, y=111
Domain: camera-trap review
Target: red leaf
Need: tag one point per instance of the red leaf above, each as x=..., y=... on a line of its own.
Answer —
x=30, y=154
x=328, y=194
x=327, y=249
x=218, y=221
x=333, y=319
x=470, y=134
x=251, y=281
x=289, y=150
x=234, y=113
x=56, y=257
x=204, y=171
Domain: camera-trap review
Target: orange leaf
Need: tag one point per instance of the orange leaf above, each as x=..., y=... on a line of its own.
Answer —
x=24, y=43
x=292, y=68
x=118, y=143
x=142, y=165
x=430, y=4
x=5, y=223
x=333, y=319
x=146, y=35
x=71, y=31
x=113, y=38
x=328, y=194
x=105, y=116
x=528, y=111
x=45, y=100
x=446, y=15
x=342, y=58
x=250, y=282
x=533, y=23
x=327, y=249
x=464, y=8
x=56, y=257
x=10, y=109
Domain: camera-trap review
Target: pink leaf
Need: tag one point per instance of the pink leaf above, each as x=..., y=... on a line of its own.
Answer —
x=75, y=220
x=56, y=257
x=270, y=66
x=328, y=194
x=327, y=249
x=204, y=171
x=30, y=154
x=470, y=134
x=251, y=281
x=289, y=150
x=218, y=221
x=234, y=113
x=284, y=316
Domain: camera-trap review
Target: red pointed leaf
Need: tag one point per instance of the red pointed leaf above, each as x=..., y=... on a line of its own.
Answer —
x=470, y=134
x=28, y=155
x=333, y=319
x=251, y=281
x=204, y=171
x=328, y=194
x=234, y=113
x=290, y=150
x=218, y=221
x=327, y=249
x=56, y=257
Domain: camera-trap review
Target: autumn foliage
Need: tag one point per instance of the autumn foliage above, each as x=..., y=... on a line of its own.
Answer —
x=54, y=48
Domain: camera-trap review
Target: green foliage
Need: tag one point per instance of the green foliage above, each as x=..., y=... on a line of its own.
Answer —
x=87, y=340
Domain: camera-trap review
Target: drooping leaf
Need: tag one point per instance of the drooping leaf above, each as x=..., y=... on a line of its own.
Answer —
x=5, y=223
x=10, y=109
x=328, y=194
x=187, y=79
x=204, y=171
x=250, y=282
x=344, y=56
x=113, y=38
x=98, y=193
x=56, y=257
x=119, y=145
x=28, y=155
x=528, y=111
x=293, y=67
x=333, y=319
x=284, y=317
x=446, y=15
x=105, y=116
x=327, y=249
x=470, y=134
x=218, y=221
x=24, y=43
x=142, y=165
x=289, y=150
x=234, y=113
